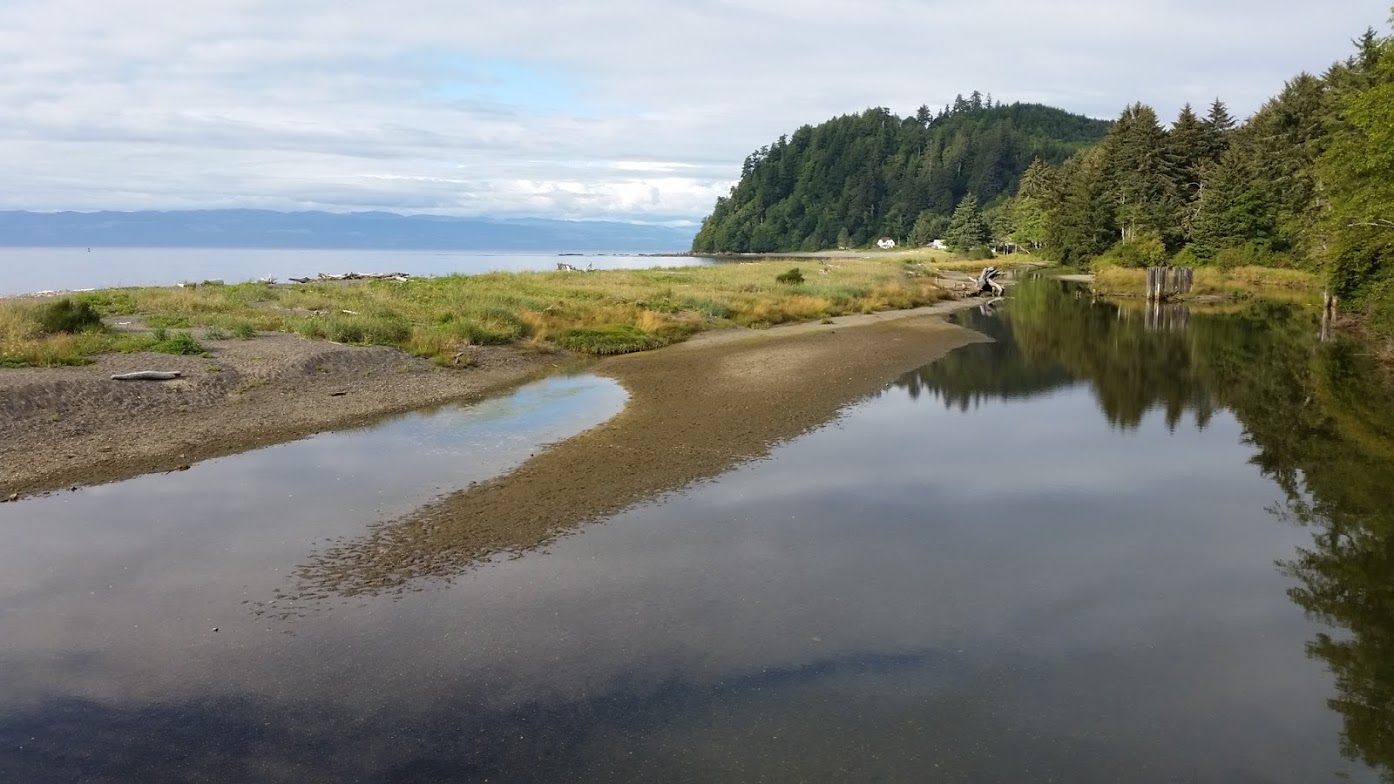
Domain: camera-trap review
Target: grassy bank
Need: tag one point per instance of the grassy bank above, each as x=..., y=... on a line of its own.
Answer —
x=1236, y=282
x=603, y=312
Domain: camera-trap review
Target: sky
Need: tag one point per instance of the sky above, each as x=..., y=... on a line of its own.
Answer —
x=635, y=110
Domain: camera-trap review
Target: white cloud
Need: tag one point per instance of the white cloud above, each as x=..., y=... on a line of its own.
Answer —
x=619, y=109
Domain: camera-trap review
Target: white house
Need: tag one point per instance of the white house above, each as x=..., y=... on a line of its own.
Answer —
x=938, y=245
x=885, y=243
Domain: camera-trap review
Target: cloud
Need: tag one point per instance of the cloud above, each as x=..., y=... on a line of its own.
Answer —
x=623, y=109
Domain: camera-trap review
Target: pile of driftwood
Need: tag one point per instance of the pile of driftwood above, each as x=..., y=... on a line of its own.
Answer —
x=564, y=267
x=397, y=276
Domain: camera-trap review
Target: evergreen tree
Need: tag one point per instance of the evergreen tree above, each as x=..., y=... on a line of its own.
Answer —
x=968, y=228
x=1218, y=125
x=1141, y=174
x=1355, y=171
x=1231, y=211
x=1038, y=190
x=1190, y=155
x=1081, y=225
x=929, y=226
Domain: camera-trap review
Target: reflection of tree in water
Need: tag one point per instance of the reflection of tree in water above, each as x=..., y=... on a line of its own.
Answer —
x=1345, y=458
x=1319, y=417
x=994, y=370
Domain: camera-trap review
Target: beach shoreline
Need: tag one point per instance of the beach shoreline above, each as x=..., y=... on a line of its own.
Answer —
x=74, y=426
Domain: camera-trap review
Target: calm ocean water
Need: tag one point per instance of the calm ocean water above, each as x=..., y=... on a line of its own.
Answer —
x=27, y=270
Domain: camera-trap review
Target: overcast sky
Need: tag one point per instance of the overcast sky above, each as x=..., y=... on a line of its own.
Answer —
x=627, y=109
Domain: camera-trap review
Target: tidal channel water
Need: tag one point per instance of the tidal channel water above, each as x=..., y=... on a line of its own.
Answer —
x=1111, y=545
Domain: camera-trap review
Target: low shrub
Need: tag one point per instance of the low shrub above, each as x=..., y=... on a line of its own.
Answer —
x=178, y=343
x=66, y=316
x=793, y=276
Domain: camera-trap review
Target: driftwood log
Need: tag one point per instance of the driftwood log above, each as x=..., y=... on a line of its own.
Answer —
x=397, y=276
x=986, y=283
x=147, y=375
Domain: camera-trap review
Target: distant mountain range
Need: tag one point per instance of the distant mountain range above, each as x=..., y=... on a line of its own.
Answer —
x=363, y=230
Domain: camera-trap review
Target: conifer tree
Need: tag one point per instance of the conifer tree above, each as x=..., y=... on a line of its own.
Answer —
x=1081, y=225
x=968, y=228
x=1218, y=125
x=1038, y=190
x=1189, y=152
x=1141, y=174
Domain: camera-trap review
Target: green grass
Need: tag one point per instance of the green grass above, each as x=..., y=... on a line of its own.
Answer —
x=598, y=312
x=614, y=339
x=1237, y=282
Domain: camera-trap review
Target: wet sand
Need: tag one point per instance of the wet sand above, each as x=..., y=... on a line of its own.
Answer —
x=63, y=427
x=696, y=410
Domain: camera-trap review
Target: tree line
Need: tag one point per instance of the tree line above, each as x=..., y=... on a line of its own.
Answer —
x=1306, y=182
x=855, y=178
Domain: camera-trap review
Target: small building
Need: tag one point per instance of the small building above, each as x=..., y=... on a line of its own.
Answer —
x=885, y=243
x=938, y=245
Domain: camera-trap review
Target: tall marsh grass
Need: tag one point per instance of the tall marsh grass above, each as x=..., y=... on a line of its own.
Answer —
x=598, y=312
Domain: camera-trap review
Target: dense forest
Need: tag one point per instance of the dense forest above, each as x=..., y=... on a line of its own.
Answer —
x=859, y=177
x=1306, y=182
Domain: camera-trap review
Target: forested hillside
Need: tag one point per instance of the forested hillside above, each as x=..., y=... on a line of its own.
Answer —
x=1306, y=182
x=858, y=177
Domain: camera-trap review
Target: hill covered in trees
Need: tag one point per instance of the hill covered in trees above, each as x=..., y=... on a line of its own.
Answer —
x=862, y=176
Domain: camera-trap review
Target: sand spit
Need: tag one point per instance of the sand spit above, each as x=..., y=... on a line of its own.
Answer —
x=696, y=410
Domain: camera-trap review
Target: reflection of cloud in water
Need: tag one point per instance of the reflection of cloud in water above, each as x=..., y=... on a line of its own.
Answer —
x=887, y=595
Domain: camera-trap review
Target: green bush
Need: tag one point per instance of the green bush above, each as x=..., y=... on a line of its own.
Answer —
x=1144, y=250
x=215, y=333
x=1186, y=258
x=979, y=253
x=65, y=315
x=244, y=330
x=793, y=276
x=1230, y=258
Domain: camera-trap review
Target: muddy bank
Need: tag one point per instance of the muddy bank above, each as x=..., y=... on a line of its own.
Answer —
x=696, y=410
x=61, y=427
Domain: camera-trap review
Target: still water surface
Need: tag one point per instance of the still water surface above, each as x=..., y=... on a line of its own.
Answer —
x=27, y=270
x=1090, y=551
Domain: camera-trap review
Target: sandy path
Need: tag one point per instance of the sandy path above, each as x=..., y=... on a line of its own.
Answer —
x=696, y=410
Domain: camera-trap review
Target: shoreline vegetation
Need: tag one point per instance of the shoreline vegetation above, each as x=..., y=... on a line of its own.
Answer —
x=1299, y=188
x=261, y=364
x=442, y=319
